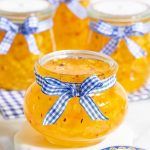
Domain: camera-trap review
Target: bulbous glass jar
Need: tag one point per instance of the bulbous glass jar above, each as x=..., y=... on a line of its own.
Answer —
x=133, y=72
x=16, y=66
x=71, y=30
x=75, y=128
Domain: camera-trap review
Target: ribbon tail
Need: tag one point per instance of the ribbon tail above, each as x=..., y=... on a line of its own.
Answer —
x=77, y=9
x=91, y=108
x=57, y=109
x=135, y=49
x=7, y=42
x=32, y=44
x=111, y=46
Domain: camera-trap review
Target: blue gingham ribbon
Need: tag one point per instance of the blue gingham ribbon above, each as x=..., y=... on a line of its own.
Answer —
x=27, y=28
x=118, y=33
x=73, y=5
x=92, y=85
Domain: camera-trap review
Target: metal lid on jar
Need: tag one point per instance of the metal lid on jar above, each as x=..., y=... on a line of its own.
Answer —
x=18, y=10
x=120, y=10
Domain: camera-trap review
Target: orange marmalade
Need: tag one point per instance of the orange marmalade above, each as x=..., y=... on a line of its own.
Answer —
x=74, y=128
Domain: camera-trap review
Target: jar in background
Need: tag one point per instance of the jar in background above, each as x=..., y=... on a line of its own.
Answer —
x=71, y=24
x=74, y=127
x=132, y=17
x=19, y=22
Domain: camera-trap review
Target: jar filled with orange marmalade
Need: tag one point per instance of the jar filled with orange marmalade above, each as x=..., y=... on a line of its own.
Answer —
x=121, y=29
x=70, y=23
x=25, y=34
x=76, y=100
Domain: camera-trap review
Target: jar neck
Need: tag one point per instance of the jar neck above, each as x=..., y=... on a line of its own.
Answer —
x=115, y=17
x=75, y=54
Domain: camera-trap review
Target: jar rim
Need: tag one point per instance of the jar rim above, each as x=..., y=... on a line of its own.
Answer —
x=113, y=66
x=19, y=17
x=142, y=16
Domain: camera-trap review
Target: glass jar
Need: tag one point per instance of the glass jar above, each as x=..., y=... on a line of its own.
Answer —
x=71, y=30
x=74, y=127
x=16, y=62
x=134, y=71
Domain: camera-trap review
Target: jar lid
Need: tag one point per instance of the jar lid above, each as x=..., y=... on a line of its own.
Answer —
x=18, y=10
x=120, y=10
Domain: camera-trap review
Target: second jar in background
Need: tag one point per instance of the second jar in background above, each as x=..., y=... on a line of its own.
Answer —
x=25, y=34
x=71, y=24
x=120, y=29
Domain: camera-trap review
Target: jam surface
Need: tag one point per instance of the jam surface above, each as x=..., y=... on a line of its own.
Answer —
x=75, y=127
x=78, y=66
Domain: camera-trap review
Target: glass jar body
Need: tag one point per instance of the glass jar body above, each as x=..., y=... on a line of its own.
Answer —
x=71, y=29
x=16, y=66
x=74, y=127
x=133, y=73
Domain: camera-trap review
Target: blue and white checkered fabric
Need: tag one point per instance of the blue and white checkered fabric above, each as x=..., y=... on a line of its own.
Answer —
x=91, y=85
x=118, y=33
x=11, y=104
x=142, y=94
x=73, y=5
x=28, y=28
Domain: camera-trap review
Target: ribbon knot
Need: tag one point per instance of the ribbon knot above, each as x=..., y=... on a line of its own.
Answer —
x=28, y=28
x=66, y=91
x=118, y=33
x=75, y=90
x=74, y=5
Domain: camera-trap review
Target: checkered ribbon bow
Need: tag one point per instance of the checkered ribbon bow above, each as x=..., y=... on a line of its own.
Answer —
x=28, y=28
x=73, y=5
x=118, y=33
x=66, y=91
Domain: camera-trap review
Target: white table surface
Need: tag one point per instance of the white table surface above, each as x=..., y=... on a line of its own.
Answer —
x=138, y=119
x=7, y=132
